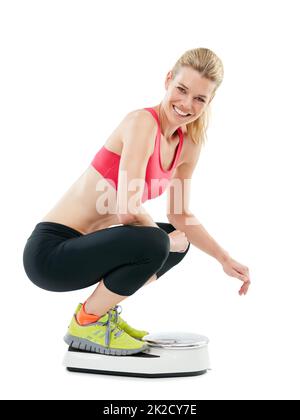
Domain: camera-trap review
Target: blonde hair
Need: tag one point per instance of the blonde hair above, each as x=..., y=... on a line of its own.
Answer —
x=209, y=65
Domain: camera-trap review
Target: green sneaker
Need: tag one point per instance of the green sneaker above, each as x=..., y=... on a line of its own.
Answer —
x=138, y=334
x=116, y=310
x=102, y=336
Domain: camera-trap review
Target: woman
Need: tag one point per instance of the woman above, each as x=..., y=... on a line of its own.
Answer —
x=99, y=232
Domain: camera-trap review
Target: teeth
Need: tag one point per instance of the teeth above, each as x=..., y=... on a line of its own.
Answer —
x=180, y=112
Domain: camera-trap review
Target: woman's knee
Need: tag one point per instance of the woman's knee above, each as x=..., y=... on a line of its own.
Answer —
x=154, y=243
x=160, y=240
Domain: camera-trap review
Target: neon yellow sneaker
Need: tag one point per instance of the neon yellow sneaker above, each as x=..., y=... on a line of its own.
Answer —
x=116, y=310
x=138, y=334
x=102, y=336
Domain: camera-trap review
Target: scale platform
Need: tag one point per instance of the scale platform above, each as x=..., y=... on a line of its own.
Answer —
x=168, y=354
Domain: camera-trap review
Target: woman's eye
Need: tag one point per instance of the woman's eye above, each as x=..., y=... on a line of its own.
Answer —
x=181, y=89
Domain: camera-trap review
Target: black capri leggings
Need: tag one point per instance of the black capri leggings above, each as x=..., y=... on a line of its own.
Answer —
x=58, y=258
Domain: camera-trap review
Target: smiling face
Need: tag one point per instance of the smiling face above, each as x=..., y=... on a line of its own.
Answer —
x=189, y=93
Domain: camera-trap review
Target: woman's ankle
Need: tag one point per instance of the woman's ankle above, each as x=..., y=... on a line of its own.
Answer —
x=90, y=308
x=84, y=316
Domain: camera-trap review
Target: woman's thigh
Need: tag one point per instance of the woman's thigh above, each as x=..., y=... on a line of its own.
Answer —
x=84, y=260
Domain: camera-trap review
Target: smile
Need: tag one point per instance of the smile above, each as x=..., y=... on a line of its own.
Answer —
x=180, y=113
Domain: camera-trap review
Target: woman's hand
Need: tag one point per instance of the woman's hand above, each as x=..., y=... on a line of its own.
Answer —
x=240, y=271
x=178, y=241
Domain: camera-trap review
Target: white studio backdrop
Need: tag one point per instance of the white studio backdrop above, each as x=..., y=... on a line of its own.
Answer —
x=70, y=70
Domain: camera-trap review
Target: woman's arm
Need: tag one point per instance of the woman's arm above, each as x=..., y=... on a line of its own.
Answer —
x=136, y=152
x=178, y=207
x=198, y=236
x=183, y=219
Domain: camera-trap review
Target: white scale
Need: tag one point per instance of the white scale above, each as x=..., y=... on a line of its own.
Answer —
x=169, y=354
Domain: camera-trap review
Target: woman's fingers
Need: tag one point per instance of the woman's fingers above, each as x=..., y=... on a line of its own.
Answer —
x=243, y=277
x=244, y=289
x=245, y=286
x=241, y=272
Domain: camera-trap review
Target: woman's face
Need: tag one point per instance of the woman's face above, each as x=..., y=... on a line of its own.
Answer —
x=189, y=92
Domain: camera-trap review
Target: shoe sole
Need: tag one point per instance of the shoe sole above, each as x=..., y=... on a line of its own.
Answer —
x=84, y=344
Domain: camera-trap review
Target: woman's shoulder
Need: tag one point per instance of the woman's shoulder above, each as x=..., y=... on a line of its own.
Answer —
x=139, y=115
x=138, y=128
x=138, y=120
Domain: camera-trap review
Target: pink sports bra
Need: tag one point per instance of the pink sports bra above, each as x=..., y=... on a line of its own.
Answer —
x=157, y=179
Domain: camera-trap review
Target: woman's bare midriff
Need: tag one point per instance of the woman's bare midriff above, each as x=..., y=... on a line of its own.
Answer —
x=82, y=207
x=79, y=207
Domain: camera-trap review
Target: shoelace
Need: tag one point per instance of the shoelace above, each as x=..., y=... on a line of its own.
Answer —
x=116, y=309
x=109, y=328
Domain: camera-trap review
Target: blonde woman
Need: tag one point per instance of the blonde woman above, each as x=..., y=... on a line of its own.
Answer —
x=99, y=232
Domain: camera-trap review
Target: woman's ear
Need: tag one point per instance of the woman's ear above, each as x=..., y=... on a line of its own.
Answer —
x=168, y=79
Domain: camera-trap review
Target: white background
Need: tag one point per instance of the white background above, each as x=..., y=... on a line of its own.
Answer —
x=70, y=70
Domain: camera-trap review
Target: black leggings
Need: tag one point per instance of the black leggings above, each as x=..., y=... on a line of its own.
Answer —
x=58, y=258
